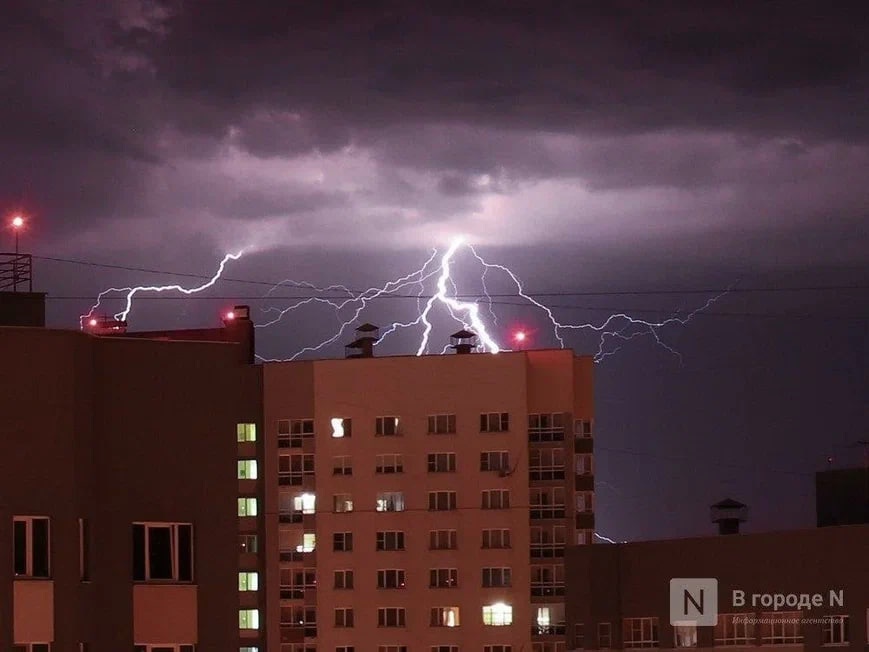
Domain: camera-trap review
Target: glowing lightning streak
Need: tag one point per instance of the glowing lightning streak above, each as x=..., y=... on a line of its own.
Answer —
x=133, y=291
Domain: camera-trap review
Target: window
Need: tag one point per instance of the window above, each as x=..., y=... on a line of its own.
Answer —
x=444, y=617
x=582, y=429
x=835, y=630
x=390, y=578
x=305, y=503
x=584, y=502
x=163, y=551
x=246, y=431
x=390, y=501
x=247, y=470
x=300, y=617
x=341, y=427
x=390, y=617
x=584, y=464
x=84, y=550
x=735, y=629
x=497, y=648
x=295, y=469
x=495, y=577
x=149, y=648
x=578, y=636
x=441, y=500
x=494, y=422
x=497, y=538
x=604, y=636
x=390, y=541
x=442, y=540
x=443, y=578
x=780, y=627
x=444, y=648
x=496, y=499
x=494, y=461
x=344, y=617
x=341, y=465
x=342, y=503
x=546, y=464
x=248, y=648
x=293, y=432
x=248, y=581
x=685, y=635
x=342, y=541
x=546, y=502
x=498, y=614
x=389, y=463
x=546, y=427
x=442, y=424
x=309, y=542
x=640, y=632
x=441, y=462
x=391, y=648
x=547, y=541
x=345, y=648
x=386, y=427
x=295, y=581
x=33, y=647
x=248, y=618
x=31, y=546
x=247, y=543
x=343, y=579
x=547, y=580
x=583, y=537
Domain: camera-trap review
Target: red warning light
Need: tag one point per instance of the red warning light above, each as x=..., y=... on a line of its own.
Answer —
x=92, y=323
x=230, y=315
x=519, y=336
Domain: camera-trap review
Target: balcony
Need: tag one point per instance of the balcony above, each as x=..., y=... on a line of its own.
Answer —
x=546, y=590
x=547, y=550
x=545, y=434
x=558, y=629
x=543, y=512
x=291, y=555
x=290, y=517
x=292, y=593
x=545, y=474
x=585, y=521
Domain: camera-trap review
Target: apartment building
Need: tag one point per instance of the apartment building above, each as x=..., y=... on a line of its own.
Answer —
x=618, y=596
x=424, y=503
x=125, y=456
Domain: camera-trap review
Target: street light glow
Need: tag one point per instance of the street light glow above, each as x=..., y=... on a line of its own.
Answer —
x=17, y=222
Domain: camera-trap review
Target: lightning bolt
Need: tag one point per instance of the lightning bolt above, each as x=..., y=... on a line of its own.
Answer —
x=619, y=327
x=133, y=291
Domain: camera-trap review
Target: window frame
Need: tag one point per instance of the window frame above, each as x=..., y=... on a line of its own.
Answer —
x=441, y=424
x=492, y=422
x=30, y=570
x=175, y=529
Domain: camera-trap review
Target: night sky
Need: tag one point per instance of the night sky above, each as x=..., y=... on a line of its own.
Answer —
x=633, y=147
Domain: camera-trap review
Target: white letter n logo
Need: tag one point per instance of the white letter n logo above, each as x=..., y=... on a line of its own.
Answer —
x=697, y=606
x=694, y=601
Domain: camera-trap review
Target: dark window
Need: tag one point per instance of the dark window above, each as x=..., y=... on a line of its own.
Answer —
x=185, y=553
x=160, y=553
x=139, y=552
x=20, y=543
x=84, y=549
x=163, y=552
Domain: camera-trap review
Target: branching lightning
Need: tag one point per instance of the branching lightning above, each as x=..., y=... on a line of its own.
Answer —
x=133, y=291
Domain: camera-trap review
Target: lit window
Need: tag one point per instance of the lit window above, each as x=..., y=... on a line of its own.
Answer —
x=247, y=470
x=444, y=617
x=246, y=431
x=342, y=503
x=390, y=501
x=247, y=507
x=162, y=551
x=31, y=544
x=498, y=614
x=305, y=503
x=248, y=618
x=340, y=427
x=248, y=581
x=309, y=542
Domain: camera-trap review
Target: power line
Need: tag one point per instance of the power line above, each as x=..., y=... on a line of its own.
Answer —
x=564, y=293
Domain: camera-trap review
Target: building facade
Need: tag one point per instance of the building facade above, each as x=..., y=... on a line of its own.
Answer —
x=424, y=503
x=842, y=496
x=618, y=596
x=119, y=510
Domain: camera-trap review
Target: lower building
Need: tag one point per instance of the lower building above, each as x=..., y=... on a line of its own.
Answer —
x=123, y=460
x=842, y=496
x=797, y=590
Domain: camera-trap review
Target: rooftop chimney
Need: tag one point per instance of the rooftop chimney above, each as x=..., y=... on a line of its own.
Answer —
x=728, y=514
x=463, y=342
x=363, y=346
x=239, y=328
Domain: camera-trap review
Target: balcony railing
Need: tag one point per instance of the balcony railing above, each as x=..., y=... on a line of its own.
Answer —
x=547, y=550
x=549, y=630
x=545, y=434
x=539, y=512
x=546, y=474
x=291, y=555
x=546, y=590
